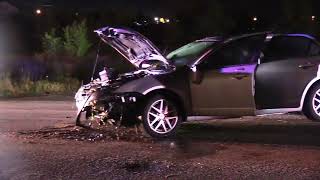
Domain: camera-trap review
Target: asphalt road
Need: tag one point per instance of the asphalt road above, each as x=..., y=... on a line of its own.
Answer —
x=38, y=140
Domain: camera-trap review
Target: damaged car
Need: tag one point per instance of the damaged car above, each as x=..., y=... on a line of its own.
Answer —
x=247, y=75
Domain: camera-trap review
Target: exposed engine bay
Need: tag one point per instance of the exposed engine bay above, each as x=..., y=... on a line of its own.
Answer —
x=99, y=102
x=97, y=99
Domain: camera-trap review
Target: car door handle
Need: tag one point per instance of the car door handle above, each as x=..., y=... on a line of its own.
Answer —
x=307, y=65
x=239, y=76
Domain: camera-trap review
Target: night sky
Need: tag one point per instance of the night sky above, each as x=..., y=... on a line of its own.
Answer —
x=265, y=7
x=266, y=10
x=192, y=19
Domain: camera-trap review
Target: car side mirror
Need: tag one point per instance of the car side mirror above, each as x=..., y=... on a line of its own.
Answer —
x=196, y=76
x=261, y=56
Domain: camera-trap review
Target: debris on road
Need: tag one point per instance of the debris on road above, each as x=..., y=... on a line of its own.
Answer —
x=72, y=132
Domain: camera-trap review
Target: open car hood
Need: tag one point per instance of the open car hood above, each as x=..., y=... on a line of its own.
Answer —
x=132, y=45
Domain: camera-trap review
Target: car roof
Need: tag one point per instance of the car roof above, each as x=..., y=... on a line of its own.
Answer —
x=297, y=35
x=229, y=38
x=211, y=39
x=267, y=33
x=247, y=35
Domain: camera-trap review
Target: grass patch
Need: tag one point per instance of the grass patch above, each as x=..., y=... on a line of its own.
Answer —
x=27, y=87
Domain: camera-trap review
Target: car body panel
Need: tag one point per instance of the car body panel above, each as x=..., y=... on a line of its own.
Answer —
x=167, y=81
x=281, y=81
x=280, y=84
x=226, y=91
x=132, y=45
x=140, y=85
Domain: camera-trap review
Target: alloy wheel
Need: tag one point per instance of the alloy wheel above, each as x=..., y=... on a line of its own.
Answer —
x=316, y=102
x=162, y=116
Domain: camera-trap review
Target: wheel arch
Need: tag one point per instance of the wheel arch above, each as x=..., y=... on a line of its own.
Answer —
x=311, y=84
x=172, y=96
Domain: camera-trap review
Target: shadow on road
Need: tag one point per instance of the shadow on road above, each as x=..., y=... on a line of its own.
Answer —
x=236, y=132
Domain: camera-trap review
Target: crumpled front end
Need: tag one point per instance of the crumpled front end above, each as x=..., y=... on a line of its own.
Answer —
x=100, y=101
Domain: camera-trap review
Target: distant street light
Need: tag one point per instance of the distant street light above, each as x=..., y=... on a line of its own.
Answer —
x=255, y=19
x=156, y=19
x=162, y=20
x=38, y=11
x=313, y=18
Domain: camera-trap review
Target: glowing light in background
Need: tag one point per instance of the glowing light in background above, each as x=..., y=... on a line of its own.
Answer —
x=313, y=18
x=255, y=19
x=38, y=11
x=162, y=20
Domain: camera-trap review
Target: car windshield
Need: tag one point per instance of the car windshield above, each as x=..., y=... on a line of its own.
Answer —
x=188, y=53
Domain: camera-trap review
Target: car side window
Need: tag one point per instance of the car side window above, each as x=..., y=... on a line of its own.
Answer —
x=314, y=49
x=242, y=51
x=284, y=47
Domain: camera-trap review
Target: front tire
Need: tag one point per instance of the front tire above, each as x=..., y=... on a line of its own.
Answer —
x=312, y=104
x=161, y=117
x=84, y=119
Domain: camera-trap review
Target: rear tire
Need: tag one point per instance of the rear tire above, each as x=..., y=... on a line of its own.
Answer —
x=311, y=106
x=161, y=117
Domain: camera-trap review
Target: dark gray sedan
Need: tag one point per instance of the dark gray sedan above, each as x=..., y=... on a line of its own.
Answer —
x=253, y=74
